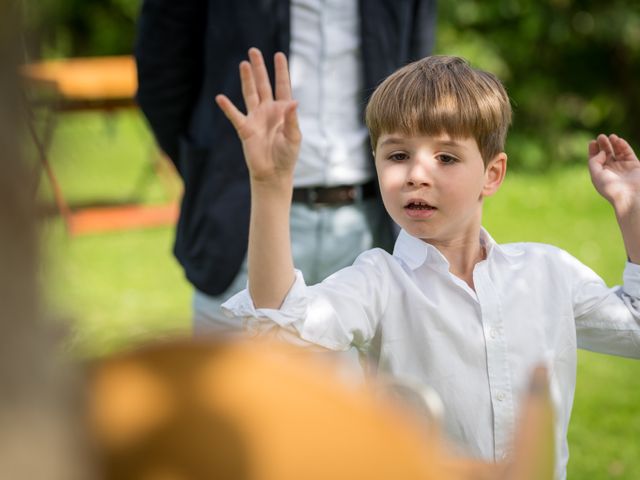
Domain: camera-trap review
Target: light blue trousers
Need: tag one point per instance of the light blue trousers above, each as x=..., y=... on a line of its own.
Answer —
x=323, y=240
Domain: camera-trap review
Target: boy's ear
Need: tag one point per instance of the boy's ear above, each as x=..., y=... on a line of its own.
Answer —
x=494, y=174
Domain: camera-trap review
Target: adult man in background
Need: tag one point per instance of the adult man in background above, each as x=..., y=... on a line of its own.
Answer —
x=187, y=52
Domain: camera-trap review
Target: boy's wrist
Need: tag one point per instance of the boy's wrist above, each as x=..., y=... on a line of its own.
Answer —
x=274, y=186
x=627, y=209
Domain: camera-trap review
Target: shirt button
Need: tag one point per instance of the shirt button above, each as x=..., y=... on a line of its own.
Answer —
x=493, y=333
x=500, y=396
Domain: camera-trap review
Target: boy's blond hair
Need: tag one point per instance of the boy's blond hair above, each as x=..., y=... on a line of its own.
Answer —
x=442, y=94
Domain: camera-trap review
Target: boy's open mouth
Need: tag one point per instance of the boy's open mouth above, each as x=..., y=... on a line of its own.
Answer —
x=419, y=206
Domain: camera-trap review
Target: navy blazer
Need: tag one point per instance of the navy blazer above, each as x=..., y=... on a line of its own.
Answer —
x=187, y=51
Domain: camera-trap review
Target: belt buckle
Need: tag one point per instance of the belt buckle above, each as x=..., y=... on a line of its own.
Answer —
x=312, y=196
x=357, y=194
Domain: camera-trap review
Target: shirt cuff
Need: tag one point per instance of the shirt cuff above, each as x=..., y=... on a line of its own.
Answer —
x=631, y=278
x=293, y=308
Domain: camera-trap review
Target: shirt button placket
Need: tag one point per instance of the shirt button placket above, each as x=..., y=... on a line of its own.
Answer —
x=498, y=366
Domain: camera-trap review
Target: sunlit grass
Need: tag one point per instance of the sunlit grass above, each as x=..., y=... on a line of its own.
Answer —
x=123, y=286
x=117, y=288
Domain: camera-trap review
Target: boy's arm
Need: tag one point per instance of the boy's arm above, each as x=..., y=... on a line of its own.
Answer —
x=270, y=141
x=615, y=172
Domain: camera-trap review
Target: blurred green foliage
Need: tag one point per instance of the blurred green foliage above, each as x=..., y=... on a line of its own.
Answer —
x=571, y=66
x=66, y=28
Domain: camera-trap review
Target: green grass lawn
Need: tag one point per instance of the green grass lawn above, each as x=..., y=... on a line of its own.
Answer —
x=121, y=287
x=118, y=287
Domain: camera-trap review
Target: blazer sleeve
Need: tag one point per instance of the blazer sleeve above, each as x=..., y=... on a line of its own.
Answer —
x=423, y=29
x=169, y=57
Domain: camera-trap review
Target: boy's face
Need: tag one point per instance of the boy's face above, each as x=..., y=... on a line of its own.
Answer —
x=433, y=186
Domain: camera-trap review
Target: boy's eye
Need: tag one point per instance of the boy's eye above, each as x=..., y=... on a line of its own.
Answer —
x=447, y=159
x=398, y=157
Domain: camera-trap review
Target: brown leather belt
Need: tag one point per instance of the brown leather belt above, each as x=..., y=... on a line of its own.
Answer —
x=339, y=195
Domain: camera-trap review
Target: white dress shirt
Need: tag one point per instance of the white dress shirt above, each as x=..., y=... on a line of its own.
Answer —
x=327, y=80
x=532, y=303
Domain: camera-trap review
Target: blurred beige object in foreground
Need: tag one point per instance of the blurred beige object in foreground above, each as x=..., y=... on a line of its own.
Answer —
x=264, y=411
x=198, y=410
x=40, y=429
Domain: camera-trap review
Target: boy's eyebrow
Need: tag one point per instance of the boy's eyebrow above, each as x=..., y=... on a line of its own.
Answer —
x=452, y=144
x=392, y=141
x=448, y=142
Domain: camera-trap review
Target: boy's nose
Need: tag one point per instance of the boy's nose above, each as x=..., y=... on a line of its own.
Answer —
x=420, y=173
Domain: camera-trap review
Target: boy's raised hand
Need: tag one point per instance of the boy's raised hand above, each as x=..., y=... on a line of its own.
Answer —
x=269, y=131
x=615, y=172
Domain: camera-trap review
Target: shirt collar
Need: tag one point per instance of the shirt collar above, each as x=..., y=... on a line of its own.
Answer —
x=495, y=250
x=415, y=252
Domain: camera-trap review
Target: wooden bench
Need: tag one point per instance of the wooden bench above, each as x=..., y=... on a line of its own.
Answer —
x=102, y=84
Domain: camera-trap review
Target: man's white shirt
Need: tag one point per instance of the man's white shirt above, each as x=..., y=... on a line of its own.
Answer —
x=533, y=303
x=326, y=67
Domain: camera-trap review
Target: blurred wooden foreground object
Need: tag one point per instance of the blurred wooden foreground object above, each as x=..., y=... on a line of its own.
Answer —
x=198, y=410
x=101, y=84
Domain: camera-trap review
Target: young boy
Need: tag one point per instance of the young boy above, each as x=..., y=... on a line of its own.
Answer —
x=450, y=307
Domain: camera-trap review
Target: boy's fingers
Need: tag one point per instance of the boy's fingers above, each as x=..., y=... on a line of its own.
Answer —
x=597, y=156
x=283, y=82
x=235, y=116
x=622, y=149
x=260, y=75
x=605, y=144
x=291, y=129
x=596, y=163
x=249, y=92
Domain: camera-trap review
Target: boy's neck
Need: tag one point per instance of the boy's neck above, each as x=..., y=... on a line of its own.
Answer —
x=463, y=255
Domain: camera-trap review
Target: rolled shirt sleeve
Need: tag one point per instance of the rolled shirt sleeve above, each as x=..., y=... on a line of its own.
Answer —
x=608, y=319
x=340, y=312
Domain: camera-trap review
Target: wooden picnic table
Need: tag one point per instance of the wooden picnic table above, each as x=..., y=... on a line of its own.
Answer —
x=101, y=84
